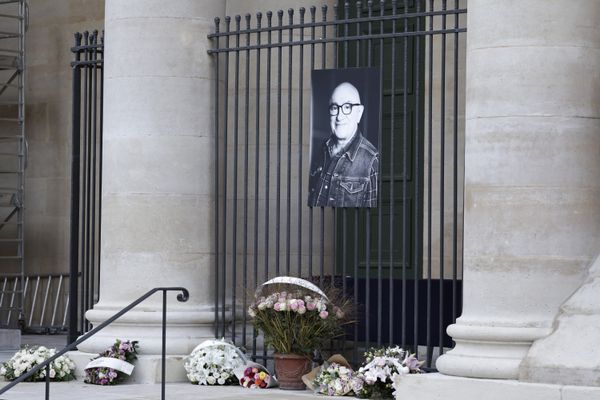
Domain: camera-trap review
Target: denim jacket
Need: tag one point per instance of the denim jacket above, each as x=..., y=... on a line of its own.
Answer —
x=348, y=179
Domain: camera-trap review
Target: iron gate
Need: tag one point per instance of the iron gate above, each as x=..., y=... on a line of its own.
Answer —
x=86, y=179
x=394, y=259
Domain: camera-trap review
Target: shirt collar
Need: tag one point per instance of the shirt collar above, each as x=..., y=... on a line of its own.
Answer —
x=352, y=149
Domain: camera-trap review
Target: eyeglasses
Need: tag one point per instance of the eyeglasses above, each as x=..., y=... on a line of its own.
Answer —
x=346, y=108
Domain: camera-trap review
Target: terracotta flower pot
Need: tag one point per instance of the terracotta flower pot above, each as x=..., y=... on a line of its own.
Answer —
x=289, y=369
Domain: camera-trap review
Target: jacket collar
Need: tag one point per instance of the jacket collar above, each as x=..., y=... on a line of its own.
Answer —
x=352, y=149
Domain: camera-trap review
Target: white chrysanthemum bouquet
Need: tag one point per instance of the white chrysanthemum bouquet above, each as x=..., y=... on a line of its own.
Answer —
x=213, y=363
x=61, y=369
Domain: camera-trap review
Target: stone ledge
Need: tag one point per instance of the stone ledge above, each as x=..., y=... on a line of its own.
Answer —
x=443, y=387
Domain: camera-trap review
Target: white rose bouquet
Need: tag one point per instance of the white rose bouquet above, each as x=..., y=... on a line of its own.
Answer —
x=382, y=367
x=213, y=363
x=61, y=369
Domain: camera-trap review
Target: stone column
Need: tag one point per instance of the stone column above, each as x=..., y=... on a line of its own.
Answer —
x=532, y=215
x=157, y=217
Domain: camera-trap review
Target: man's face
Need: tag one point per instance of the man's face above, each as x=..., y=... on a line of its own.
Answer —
x=344, y=126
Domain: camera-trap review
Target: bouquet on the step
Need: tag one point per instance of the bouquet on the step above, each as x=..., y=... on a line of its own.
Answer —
x=334, y=379
x=382, y=368
x=213, y=363
x=61, y=369
x=255, y=376
x=113, y=365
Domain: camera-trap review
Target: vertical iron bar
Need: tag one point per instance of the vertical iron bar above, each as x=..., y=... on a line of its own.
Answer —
x=75, y=179
x=93, y=166
x=455, y=173
x=300, y=132
x=47, y=380
x=225, y=177
x=268, y=156
x=268, y=144
x=278, y=207
x=216, y=188
x=404, y=168
x=257, y=167
x=368, y=211
x=379, y=207
x=356, y=210
x=417, y=181
x=323, y=64
x=429, y=188
x=163, y=366
x=22, y=147
x=313, y=10
x=84, y=161
x=345, y=210
x=234, y=241
x=246, y=140
x=442, y=162
x=100, y=151
x=88, y=187
x=289, y=154
x=392, y=178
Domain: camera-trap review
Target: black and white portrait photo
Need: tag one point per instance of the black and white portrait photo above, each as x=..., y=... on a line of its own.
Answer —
x=344, y=162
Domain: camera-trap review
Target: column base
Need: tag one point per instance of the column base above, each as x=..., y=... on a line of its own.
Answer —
x=185, y=330
x=147, y=367
x=487, y=351
x=438, y=386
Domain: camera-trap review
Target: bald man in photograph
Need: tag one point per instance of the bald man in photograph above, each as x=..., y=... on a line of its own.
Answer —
x=344, y=171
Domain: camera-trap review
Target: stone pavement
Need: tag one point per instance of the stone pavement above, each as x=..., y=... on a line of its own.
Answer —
x=77, y=390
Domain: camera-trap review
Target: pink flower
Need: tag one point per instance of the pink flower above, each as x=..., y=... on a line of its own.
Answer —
x=323, y=314
x=311, y=306
x=293, y=305
x=277, y=306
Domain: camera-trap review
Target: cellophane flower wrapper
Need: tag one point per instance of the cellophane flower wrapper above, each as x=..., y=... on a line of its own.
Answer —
x=382, y=369
x=334, y=379
x=124, y=350
x=255, y=376
x=213, y=362
x=24, y=360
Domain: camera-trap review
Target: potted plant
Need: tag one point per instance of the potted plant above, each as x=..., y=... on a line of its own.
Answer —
x=296, y=318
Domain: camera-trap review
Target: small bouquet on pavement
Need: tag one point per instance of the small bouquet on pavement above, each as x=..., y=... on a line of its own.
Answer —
x=382, y=368
x=24, y=360
x=256, y=376
x=334, y=378
x=113, y=365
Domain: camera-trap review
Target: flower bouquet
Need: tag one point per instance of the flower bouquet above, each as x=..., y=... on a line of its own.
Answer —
x=382, y=367
x=256, y=376
x=296, y=318
x=61, y=369
x=213, y=363
x=335, y=379
x=111, y=366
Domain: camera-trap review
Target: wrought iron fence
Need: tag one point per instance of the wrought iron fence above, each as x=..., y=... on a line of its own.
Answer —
x=401, y=261
x=86, y=178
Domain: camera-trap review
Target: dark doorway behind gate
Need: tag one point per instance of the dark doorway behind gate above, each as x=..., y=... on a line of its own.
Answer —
x=401, y=262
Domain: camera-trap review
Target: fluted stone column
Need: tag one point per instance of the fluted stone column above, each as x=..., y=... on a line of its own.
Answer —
x=157, y=216
x=532, y=214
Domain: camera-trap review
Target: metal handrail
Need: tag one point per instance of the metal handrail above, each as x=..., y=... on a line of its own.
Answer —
x=182, y=297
